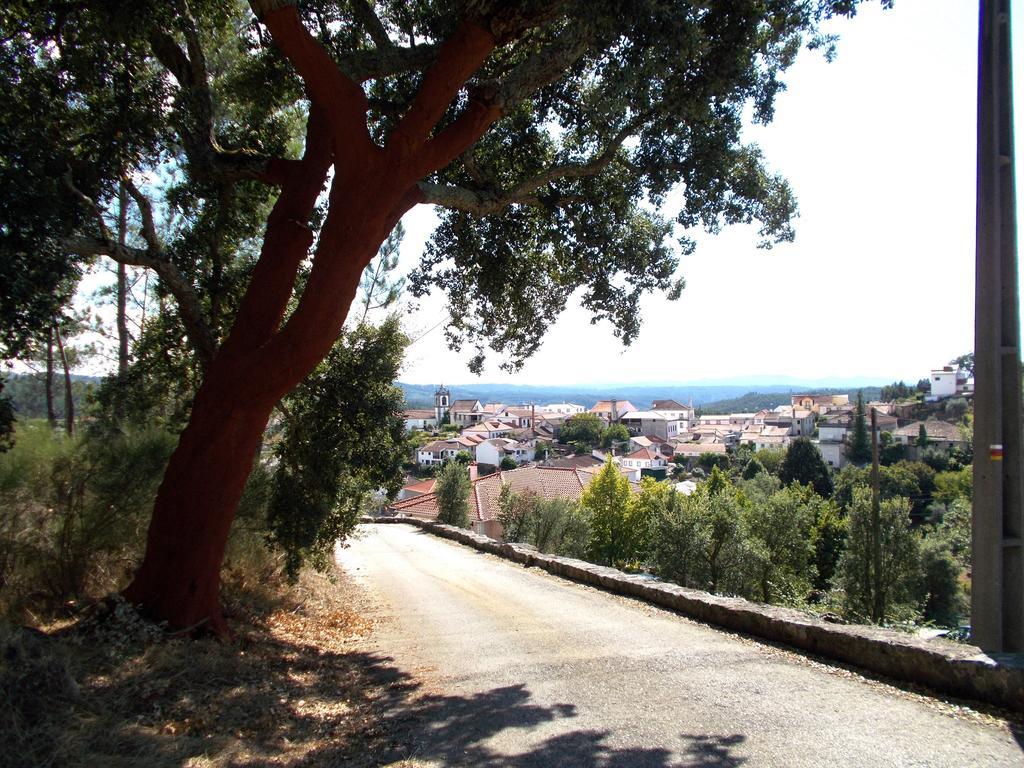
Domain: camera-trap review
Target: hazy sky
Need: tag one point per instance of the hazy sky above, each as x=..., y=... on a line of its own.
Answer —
x=879, y=146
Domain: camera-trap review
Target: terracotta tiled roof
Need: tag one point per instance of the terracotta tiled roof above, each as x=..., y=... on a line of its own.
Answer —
x=937, y=430
x=546, y=482
x=605, y=406
x=465, y=405
x=490, y=425
x=696, y=449
x=522, y=413
x=424, y=486
x=418, y=413
x=668, y=405
x=643, y=453
x=575, y=462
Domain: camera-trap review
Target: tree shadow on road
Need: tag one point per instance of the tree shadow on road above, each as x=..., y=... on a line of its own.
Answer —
x=475, y=730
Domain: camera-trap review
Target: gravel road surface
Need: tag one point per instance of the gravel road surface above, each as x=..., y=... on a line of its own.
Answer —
x=520, y=668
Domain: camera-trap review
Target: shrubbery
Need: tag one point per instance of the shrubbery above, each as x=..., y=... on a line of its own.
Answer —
x=73, y=513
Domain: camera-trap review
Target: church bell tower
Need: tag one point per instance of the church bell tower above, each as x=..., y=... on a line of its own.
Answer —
x=442, y=402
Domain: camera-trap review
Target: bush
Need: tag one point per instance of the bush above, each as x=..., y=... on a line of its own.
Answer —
x=452, y=493
x=554, y=526
x=942, y=598
x=888, y=594
x=73, y=513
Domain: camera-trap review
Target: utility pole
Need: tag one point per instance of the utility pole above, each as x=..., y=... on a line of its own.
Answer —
x=997, y=572
x=878, y=591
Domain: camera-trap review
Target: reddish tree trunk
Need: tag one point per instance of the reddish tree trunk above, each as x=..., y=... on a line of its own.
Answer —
x=262, y=360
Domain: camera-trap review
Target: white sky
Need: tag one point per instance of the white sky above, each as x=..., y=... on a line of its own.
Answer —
x=879, y=146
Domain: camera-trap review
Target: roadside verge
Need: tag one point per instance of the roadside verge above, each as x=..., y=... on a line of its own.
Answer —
x=953, y=668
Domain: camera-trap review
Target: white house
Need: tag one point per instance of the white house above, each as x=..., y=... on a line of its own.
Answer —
x=674, y=411
x=766, y=436
x=799, y=421
x=566, y=409
x=610, y=410
x=644, y=458
x=832, y=452
x=440, y=451
x=494, y=450
x=488, y=429
x=465, y=412
x=943, y=382
x=419, y=418
x=651, y=423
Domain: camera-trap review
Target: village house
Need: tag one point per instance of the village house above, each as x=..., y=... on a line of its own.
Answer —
x=739, y=421
x=440, y=451
x=488, y=429
x=651, y=423
x=566, y=409
x=417, y=489
x=611, y=410
x=939, y=433
x=419, y=418
x=799, y=421
x=647, y=460
x=465, y=412
x=692, y=452
x=522, y=416
x=492, y=451
x=948, y=382
x=546, y=482
x=834, y=429
x=765, y=437
x=653, y=442
x=820, y=404
x=674, y=411
x=714, y=433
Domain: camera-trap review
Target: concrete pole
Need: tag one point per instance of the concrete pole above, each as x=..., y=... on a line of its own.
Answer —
x=997, y=589
x=878, y=591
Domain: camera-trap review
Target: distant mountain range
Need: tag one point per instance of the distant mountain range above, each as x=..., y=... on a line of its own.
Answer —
x=641, y=395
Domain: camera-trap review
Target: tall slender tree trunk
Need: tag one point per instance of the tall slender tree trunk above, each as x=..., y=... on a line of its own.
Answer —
x=51, y=410
x=122, y=285
x=69, y=403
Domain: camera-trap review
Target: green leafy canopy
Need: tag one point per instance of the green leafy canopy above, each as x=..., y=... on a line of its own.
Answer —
x=608, y=106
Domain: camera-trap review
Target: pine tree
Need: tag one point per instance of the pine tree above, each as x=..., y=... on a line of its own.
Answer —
x=858, y=449
x=922, y=436
x=803, y=464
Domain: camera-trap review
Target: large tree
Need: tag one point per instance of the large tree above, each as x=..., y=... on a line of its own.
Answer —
x=543, y=130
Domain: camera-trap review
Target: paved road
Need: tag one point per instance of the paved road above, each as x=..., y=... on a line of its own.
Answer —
x=524, y=669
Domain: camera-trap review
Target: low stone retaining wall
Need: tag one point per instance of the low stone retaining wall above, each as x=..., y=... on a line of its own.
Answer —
x=954, y=668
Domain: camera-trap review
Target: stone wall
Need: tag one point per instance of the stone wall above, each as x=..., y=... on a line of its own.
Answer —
x=953, y=668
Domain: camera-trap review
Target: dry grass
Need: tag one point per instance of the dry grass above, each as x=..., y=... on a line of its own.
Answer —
x=293, y=689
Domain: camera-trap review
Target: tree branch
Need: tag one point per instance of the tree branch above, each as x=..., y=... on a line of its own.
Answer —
x=486, y=202
x=547, y=65
x=200, y=336
x=199, y=333
x=460, y=56
x=488, y=103
x=384, y=62
x=207, y=159
x=343, y=101
x=368, y=20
